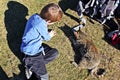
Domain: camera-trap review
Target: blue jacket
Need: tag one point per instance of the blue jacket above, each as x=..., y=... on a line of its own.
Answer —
x=35, y=32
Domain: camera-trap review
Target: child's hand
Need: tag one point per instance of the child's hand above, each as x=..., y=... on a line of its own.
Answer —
x=52, y=33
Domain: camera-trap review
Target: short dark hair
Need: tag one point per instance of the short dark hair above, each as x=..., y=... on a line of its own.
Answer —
x=51, y=12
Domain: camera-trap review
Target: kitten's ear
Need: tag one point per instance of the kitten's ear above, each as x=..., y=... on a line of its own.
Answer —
x=76, y=33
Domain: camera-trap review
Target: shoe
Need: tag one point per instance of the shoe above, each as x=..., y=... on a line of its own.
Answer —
x=28, y=73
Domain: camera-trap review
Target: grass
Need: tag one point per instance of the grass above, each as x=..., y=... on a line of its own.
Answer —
x=13, y=18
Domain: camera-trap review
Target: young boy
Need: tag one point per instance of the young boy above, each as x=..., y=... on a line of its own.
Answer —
x=37, y=54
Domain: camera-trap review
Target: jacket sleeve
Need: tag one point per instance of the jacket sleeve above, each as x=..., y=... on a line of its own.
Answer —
x=43, y=30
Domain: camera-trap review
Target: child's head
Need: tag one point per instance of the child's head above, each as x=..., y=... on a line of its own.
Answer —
x=51, y=12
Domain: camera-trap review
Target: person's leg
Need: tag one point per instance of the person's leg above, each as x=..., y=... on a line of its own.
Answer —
x=50, y=53
x=44, y=77
x=37, y=66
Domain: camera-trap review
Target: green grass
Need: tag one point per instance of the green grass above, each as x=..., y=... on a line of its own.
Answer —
x=11, y=29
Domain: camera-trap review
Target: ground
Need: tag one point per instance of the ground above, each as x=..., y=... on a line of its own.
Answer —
x=15, y=13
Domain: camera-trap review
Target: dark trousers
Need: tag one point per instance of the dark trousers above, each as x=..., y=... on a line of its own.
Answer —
x=37, y=62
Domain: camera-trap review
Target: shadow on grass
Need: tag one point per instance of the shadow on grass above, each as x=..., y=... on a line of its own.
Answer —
x=69, y=34
x=21, y=75
x=4, y=76
x=15, y=21
x=69, y=4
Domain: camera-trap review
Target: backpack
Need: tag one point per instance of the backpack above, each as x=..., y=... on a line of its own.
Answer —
x=115, y=37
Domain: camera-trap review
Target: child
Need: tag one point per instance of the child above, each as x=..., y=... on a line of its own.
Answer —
x=37, y=54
